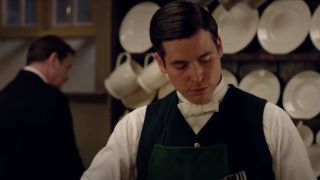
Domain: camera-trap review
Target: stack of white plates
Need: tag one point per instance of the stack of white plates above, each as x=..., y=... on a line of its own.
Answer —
x=315, y=28
x=283, y=26
x=237, y=26
x=301, y=96
x=262, y=83
x=134, y=30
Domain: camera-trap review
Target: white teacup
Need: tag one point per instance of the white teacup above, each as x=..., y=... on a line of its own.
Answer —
x=318, y=138
x=305, y=133
x=138, y=98
x=123, y=80
x=151, y=77
x=314, y=156
x=165, y=90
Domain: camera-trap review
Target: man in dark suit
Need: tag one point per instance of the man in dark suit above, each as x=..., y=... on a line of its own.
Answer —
x=36, y=131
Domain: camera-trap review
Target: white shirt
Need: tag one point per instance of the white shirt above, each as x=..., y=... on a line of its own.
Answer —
x=117, y=160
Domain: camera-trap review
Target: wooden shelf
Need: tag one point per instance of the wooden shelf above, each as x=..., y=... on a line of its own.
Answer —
x=303, y=57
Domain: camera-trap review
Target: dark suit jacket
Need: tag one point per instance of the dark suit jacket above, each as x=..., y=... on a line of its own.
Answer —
x=36, y=132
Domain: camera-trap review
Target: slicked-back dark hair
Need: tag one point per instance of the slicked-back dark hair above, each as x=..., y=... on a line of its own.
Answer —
x=41, y=49
x=180, y=20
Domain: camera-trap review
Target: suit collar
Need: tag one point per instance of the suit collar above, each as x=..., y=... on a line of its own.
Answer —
x=35, y=71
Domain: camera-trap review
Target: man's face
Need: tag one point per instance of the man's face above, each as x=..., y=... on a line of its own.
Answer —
x=61, y=71
x=193, y=65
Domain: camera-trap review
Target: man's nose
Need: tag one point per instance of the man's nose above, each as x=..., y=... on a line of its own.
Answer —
x=66, y=79
x=196, y=73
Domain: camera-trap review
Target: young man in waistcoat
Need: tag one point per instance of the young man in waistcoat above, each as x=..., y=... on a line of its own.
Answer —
x=206, y=129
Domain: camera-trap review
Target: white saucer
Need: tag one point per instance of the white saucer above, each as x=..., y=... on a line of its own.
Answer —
x=262, y=83
x=134, y=30
x=283, y=26
x=301, y=96
x=237, y=26
x=230, y=78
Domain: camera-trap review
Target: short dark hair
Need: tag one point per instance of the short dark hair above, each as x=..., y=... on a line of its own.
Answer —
x=41, y=49
x=179, y=20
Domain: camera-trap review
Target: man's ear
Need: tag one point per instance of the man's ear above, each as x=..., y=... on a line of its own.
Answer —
x=219, y=47
x=53, y=60
x=160, y=62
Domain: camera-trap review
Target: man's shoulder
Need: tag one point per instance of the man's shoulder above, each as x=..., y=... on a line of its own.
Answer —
x=37, y=90
x=53, y=93
x=240, y=98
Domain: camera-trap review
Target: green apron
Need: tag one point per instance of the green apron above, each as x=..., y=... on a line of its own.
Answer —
x=188, y=163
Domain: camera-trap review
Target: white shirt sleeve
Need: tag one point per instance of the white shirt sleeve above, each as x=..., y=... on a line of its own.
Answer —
x=117, y=160
x=289, y=156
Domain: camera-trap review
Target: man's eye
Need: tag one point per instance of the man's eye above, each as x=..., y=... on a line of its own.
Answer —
x=180, y=65
x=205, y=58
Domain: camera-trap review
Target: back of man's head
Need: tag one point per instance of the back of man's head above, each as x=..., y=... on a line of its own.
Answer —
x=43, y=47
x=180, y=20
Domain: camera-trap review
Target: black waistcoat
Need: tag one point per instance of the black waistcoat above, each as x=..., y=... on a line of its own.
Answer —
x=238, y=124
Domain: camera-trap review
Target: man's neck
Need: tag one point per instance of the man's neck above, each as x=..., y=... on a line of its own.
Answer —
x=38, y=70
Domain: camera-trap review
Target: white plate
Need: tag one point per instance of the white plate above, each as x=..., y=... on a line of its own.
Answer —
x=262, y=83
x=237, y=27
x=134, y=30
x=301, y=96
x=315, y=28
x=230, y=78
x=283, y=26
